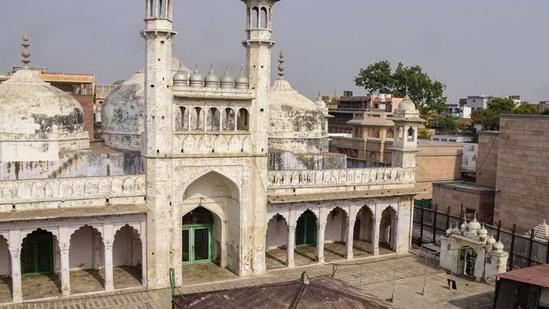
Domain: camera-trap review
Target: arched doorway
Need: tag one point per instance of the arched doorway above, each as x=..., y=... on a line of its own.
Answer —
x=39, y=260
x=277, y=242
x=37, y=253
x=306, y=229
x=5, y=272
x=198, y=236
x=362, y=233
x=127, y=258
x=387, y=229
x=335, y=235
x=306, y=234
x=87, y=260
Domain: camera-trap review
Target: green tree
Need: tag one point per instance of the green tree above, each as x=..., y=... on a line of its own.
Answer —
x=525, y=109
x=427, y=94
x=489, y=117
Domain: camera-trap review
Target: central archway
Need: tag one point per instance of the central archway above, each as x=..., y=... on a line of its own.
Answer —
x=210, y=218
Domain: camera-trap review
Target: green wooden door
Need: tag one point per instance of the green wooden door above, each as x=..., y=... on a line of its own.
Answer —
x=197, y=243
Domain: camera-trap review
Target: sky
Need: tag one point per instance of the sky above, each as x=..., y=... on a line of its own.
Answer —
x=488, y=47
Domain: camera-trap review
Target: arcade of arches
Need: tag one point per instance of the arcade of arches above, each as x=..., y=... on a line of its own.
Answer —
x=311, y=232
x=43, y=257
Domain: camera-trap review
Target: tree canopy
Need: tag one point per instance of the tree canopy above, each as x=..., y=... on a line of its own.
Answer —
x=489, y=117
x=427, y=94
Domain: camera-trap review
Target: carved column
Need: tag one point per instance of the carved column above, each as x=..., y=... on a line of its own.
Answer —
x=109, y=281
x=375, y=235
x=290, y=247
x=320, y=242
x=350, y=229
x=16, y=283
x=65, y=269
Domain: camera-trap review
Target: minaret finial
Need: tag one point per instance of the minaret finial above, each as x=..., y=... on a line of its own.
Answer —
x=26, y=52
x=281, y=65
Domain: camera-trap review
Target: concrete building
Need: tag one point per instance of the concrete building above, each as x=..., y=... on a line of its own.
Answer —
x=193, y=169
x=370, y=137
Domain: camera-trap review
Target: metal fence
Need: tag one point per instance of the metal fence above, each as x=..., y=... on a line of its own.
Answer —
x=431, y=222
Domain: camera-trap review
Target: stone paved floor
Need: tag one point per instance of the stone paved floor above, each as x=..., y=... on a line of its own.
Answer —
x=401, y=276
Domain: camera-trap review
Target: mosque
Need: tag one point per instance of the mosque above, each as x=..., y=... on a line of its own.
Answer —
x=192, y=169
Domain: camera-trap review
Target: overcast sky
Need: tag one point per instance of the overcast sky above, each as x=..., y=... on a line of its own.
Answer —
x=488, y=47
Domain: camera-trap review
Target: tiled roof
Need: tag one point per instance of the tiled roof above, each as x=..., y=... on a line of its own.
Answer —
x=536, y=275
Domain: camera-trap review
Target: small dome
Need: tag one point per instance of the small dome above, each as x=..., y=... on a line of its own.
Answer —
x=242, y=81
x=227, y=81
x=180, y=78
x=464, y=226
x=474, y=226
x=196, y=80
x=482, y=232
x=491, y=241
x=319, y=102
x=450, y=230
x=498, y=246
x=211, y=79
x=456, y=230
x=406, y=105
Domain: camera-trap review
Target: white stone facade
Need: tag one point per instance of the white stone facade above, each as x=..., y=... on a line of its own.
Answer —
x=195, y=160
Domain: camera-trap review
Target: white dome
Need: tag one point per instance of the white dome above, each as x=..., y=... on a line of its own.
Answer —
x=33, y=110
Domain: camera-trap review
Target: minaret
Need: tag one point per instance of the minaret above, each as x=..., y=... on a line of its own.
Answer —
x=159, y=35
x=258, y=55
x=157, y=140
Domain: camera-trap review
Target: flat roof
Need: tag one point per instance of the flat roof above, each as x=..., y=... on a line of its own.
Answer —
x=465, y=186
x=71, y=212
x=536, y=275
x=311, y=197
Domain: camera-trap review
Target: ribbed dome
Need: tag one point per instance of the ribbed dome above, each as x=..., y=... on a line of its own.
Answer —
x=196, y=80
x=29, y=105
x=227, y=81
x=211, y=79
x=242, y=81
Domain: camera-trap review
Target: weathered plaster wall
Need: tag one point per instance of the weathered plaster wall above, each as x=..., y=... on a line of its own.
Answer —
x=283, y=160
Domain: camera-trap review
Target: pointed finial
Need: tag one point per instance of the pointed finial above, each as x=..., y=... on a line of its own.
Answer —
x=211, y=69
x=196, y=67
x=26, y=52
x=241, y=70
x=281, y=66
x=226, y=71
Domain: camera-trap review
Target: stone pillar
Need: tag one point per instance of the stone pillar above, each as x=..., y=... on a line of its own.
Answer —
x=320, y=242
x=65, y=269
x=350, y=230
x=290, y=247
x=395, y=237
x=375, y=235
x=16, y=282
x=109, y=281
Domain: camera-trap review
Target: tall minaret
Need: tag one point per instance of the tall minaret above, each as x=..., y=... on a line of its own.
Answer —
x=157, y=140
x=258, y=55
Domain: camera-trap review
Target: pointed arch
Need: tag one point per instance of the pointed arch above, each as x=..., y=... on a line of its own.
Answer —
x=86, y=249
x=336, y=225
x=277, y=232
x=128, y=254
x=387, y=227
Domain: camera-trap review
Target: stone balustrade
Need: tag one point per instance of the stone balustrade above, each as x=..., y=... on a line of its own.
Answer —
x=66, y=189
x=340, y=177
